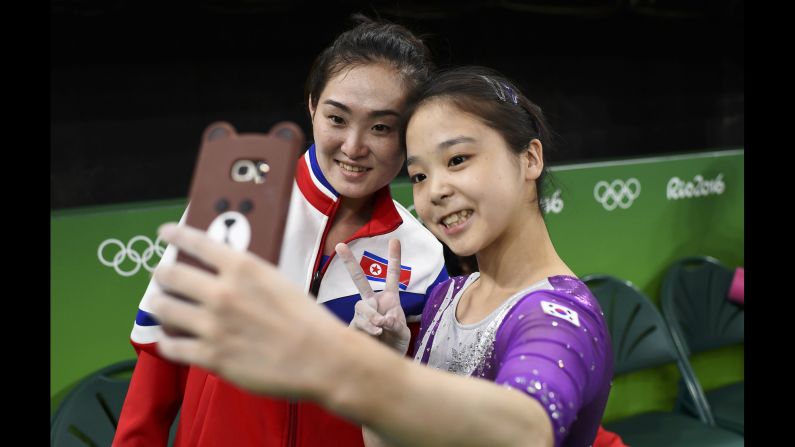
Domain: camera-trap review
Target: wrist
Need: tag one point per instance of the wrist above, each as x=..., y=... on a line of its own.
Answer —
x=329, y=372
x=358, y=373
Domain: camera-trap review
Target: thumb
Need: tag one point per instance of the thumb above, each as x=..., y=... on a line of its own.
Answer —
x=376, y=318
x=372, y=302
x=392, y=323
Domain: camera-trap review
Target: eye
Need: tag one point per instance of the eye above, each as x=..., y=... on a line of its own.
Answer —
x=246, y=206
x=416, y=178
x=221, y=205
x=336, y=120
x=382, y=128
x=456, y=160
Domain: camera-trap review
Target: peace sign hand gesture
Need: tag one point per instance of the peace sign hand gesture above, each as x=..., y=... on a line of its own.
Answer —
x=379, y=313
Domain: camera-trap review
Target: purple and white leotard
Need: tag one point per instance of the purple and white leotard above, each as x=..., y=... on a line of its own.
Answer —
x=549, y=341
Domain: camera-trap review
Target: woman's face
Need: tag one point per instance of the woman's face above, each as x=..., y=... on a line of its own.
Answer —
x=469, y=188
x=355, y=127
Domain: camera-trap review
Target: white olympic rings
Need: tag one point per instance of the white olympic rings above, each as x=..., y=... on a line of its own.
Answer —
x=618, y=193
x=128, y=251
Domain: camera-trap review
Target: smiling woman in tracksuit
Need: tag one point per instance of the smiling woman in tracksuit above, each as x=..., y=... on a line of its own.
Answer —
x=356, y=93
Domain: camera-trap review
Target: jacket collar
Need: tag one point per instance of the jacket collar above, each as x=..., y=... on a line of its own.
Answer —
x=322, y=196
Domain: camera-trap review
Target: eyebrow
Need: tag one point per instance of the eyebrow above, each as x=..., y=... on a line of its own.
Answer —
x=444, y=145
x=374, y=113
x=454, y=141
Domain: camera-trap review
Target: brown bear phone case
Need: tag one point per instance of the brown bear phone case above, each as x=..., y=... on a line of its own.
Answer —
x=241, y=187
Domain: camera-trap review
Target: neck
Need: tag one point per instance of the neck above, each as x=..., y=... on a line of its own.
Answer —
x=354, y=209
x=350, y=216
x=521, y=256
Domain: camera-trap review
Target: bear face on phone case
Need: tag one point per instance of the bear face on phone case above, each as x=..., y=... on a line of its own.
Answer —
x=241, y=187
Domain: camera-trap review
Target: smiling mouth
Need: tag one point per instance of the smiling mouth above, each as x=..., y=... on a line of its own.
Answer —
x=455, y=219
x=351, y=168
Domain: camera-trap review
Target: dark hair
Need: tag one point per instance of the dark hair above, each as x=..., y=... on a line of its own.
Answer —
x=495, y=100
x=370, y=41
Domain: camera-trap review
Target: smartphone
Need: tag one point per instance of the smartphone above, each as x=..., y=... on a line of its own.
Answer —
x=240, y=192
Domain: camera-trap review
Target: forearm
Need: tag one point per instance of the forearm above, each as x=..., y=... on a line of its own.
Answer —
x=409, y=404
x=151, y=403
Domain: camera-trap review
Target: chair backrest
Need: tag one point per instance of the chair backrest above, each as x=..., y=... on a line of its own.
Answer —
x=639, y=335
x=89, y=413
x=696, y=307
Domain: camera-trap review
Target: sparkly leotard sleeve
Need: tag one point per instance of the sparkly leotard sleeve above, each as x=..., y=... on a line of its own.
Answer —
x=549, y=341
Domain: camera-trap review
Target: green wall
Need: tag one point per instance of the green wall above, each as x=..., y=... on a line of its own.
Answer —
x=639, y=242
x=93, y=306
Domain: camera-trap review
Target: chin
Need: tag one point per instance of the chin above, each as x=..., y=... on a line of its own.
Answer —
x=460, y=249
x=355, y=191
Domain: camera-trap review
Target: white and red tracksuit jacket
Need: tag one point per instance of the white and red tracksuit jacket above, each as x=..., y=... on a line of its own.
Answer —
x=216, y=413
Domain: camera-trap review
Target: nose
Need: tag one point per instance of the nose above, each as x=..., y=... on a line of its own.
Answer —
x=440, y=189
x=354, y=146
x=229, y=222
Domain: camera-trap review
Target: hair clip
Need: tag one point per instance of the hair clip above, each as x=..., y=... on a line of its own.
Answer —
x=500, y=89
x=512, y=95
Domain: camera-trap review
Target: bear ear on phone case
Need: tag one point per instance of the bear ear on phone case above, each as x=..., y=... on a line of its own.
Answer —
x=241, y=187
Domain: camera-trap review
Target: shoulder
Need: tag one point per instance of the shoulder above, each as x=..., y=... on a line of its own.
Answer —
x=565, y=290
x=437, y=295
x=441, y=289
x=566, y=298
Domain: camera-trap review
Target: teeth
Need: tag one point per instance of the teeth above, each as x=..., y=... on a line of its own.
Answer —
x=352, y=168
x=454, y=218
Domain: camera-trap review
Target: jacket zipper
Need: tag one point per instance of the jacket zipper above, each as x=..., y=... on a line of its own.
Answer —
x=314, y=285
x=292, y=424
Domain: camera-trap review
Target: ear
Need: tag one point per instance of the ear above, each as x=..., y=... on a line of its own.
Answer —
x=533, y=160
x=218, y=130
x=287, y=131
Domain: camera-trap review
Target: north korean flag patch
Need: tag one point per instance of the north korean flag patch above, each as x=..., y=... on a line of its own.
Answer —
x=563, y=312
x=374, y=268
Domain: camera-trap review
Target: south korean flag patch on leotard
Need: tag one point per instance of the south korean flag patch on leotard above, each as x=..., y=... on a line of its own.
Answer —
x=556, y=310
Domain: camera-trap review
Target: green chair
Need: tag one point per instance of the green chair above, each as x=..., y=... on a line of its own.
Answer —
x=90, y=412
x=701, y=318
x=641, y=340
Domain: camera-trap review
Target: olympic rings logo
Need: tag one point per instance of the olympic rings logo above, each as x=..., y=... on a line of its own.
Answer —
x=617, y=193
x=139, y=259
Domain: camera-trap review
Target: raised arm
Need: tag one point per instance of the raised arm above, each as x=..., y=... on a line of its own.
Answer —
x=407, y=404
x=239, y=314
